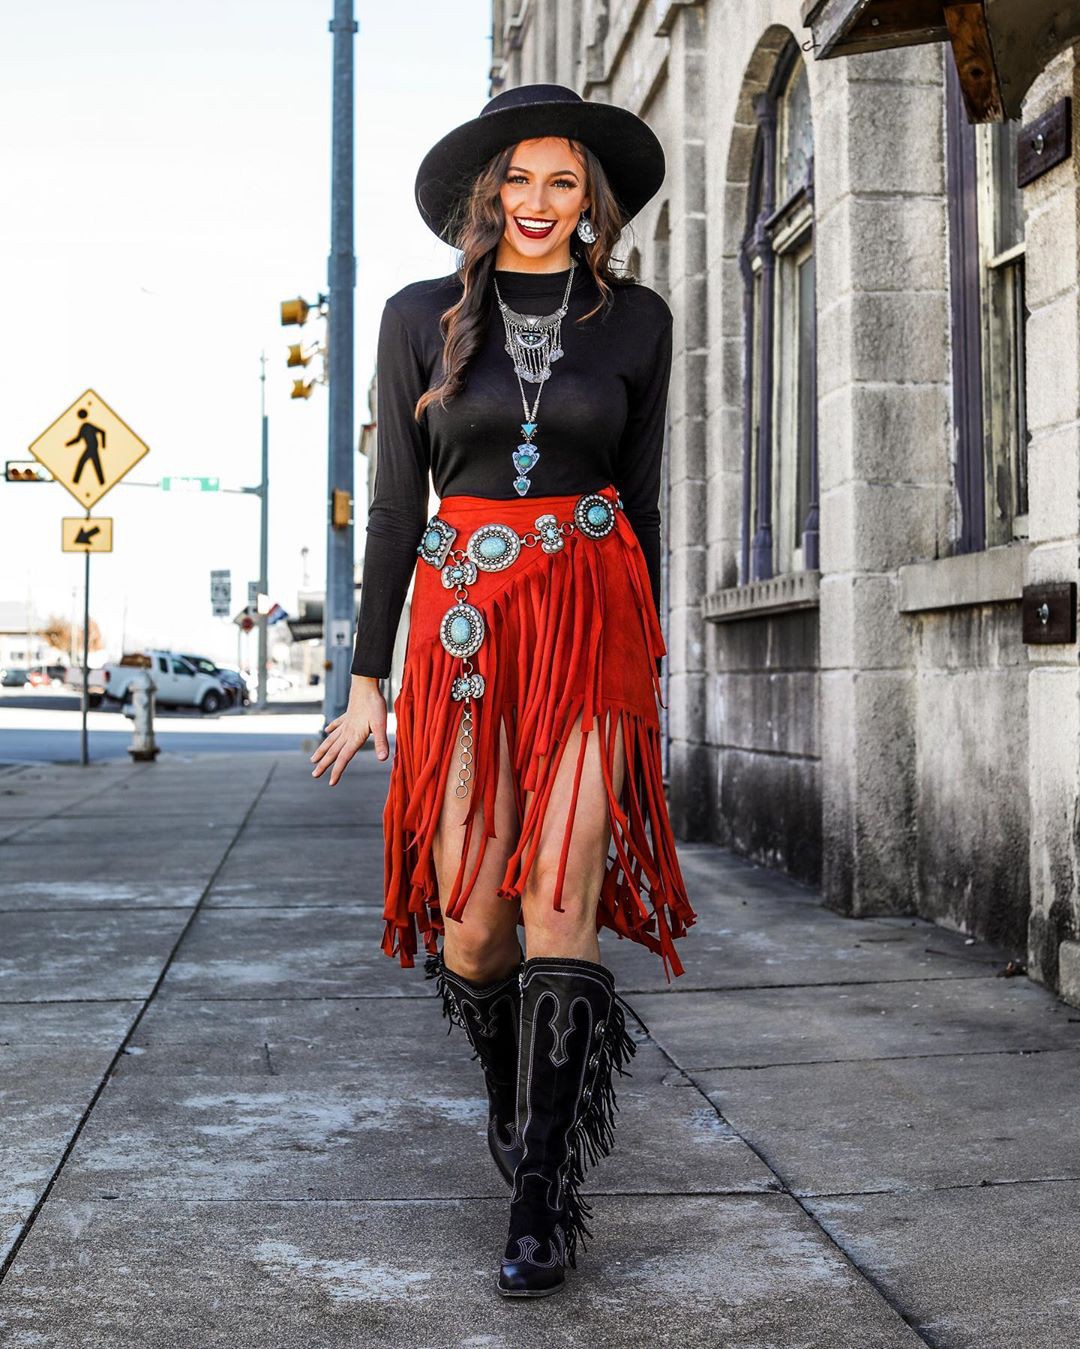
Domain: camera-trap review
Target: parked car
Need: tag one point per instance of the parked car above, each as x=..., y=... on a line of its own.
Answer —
x=234, y=682
x=177, y=682
x=14, y=676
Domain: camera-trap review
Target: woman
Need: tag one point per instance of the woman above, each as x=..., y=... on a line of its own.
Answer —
x=527, y=724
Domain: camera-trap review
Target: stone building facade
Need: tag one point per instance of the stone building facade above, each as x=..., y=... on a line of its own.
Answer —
x=874, y=445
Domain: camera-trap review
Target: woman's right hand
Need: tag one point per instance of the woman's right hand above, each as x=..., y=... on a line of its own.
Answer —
x=364, y=716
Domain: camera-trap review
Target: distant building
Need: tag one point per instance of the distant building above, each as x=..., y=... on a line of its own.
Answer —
x=874, y=446
x=21, y=642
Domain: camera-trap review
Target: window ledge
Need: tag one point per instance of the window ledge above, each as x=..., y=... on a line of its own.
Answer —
x=992, y=576
x=778, y=595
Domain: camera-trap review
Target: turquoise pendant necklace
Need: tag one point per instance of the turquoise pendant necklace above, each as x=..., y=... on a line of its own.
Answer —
x=533, y=342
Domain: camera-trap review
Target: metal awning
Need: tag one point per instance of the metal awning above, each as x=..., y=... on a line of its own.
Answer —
x=1000, y=46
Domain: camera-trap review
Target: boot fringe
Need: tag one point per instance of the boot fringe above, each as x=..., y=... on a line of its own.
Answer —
x=594, y=1132
x=434, y=969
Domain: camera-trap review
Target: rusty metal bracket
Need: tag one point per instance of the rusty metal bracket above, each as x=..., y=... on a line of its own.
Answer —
x=1044, y=142
x=1048, y=612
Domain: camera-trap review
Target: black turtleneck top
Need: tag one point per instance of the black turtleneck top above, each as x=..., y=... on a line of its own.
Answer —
x=601, y=419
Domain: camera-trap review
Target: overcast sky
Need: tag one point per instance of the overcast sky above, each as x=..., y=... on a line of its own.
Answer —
x=165, y=175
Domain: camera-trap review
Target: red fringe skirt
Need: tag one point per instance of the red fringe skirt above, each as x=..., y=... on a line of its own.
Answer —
x=568, y=633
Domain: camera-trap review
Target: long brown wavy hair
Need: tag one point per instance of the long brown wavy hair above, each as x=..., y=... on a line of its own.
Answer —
x=478, y=227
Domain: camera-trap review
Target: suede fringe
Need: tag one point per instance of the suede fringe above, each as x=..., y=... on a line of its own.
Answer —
x=593, y=1134
x=543, y=666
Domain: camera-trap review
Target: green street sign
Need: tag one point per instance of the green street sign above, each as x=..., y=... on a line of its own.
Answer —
x=191, y=484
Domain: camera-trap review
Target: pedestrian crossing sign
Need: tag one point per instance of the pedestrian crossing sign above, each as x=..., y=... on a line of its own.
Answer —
x=88, y=448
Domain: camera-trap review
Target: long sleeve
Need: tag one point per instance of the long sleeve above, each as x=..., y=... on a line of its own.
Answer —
x=641, y=451
x=399, y=502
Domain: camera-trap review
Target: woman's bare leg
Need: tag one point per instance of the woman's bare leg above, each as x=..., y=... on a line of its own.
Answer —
x=573, y=931
x=483, y=945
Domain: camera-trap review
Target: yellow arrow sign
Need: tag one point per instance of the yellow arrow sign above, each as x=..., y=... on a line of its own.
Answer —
x=88, y=448
x=86, y=534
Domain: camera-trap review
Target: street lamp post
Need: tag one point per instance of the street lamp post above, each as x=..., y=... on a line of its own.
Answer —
x=340, y=603
x=264, y=546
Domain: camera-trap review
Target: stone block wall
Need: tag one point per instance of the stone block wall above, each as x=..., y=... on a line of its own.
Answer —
x=888, y=735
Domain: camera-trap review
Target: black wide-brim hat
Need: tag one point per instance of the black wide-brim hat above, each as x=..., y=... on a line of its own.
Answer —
x=628, y=149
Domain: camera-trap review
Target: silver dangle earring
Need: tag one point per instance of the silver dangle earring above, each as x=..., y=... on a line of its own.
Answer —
x=586, y=230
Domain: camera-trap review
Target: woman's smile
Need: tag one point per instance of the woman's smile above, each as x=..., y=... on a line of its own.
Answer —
x=533, y=228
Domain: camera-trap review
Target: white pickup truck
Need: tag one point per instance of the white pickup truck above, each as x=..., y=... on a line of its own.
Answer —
x=176, y=680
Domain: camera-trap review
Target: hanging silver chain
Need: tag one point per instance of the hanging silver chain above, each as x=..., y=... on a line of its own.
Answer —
x=533, y=341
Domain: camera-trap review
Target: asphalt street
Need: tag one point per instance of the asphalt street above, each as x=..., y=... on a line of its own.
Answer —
x=46, y=727
x=226, y=1118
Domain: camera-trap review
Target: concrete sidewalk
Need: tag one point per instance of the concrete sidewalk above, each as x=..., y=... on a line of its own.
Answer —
x=227, y=1119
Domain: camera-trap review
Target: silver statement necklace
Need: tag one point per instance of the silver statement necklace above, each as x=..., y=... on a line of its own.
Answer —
x=533, y=342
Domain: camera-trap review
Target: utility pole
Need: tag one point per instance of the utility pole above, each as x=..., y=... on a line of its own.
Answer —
x=264, y=544
x=339, y=611
x=84, y=745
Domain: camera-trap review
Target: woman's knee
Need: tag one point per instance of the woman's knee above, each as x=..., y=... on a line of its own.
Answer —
x=580, y=893
x=481, y=952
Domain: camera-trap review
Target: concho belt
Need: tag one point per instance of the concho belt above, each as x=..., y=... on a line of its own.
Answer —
x=493, y=547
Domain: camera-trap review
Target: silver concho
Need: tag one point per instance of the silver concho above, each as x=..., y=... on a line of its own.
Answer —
x=462, y=629
x=436, y=542
x=493, y=547
x=467, y=686
x=551, y=534
x=594, y=515
x=456, y=574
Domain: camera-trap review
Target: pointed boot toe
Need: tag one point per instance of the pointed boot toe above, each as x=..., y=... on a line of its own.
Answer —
x=522, y=1280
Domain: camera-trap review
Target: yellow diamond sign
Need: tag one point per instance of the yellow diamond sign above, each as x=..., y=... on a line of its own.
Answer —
x=88, y=448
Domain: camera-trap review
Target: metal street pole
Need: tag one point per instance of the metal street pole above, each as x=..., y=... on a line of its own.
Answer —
x=85, y=755
x=338, y=614
x=264, y=546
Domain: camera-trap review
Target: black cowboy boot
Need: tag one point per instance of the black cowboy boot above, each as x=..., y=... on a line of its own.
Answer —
x=573, y=1033
x=489, y=1014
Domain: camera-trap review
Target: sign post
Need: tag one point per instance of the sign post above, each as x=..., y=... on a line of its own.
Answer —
x=88, y=449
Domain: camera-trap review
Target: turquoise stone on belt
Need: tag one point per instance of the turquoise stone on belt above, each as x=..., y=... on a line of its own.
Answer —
x=492, y=546
x=594, y=515
x=435, y=541
x=462, y=629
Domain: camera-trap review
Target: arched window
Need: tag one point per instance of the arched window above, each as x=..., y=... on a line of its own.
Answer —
x=780, y=507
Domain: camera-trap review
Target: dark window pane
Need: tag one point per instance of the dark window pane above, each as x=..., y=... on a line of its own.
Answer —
x=1020, y=380
x=806, y=410
x=795, y=144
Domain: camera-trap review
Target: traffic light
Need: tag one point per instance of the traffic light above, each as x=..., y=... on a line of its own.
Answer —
x=294, y=311
x=341, y=508
x=297, y=312
x=26, y=470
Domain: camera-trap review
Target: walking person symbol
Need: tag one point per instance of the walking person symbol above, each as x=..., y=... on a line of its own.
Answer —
x=88, y=434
